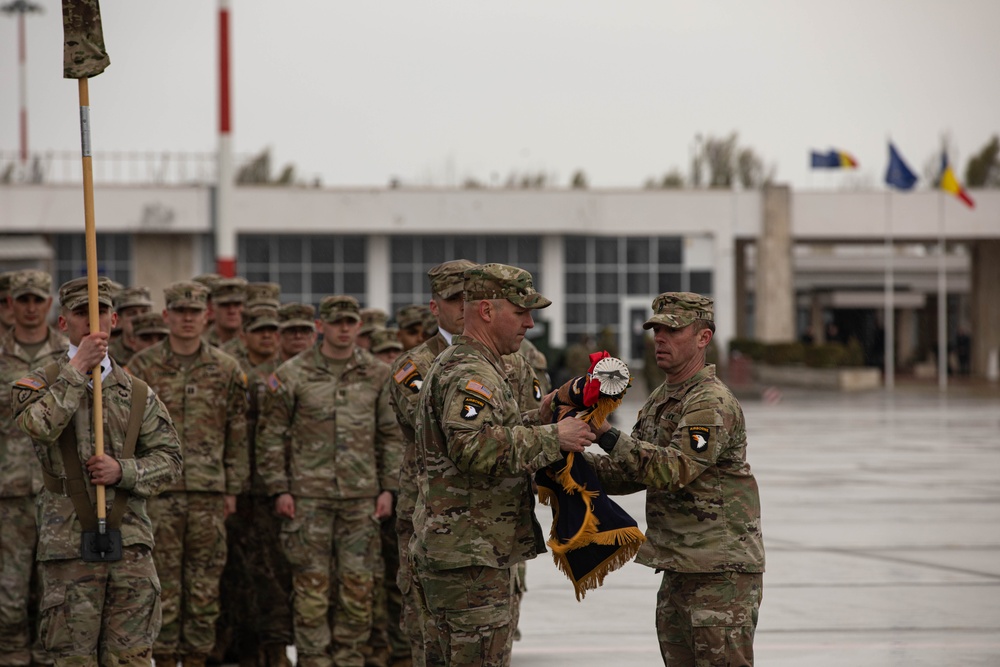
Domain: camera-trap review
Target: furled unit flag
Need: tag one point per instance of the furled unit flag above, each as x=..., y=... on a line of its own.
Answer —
x=898, y=174
x=950, y=184
x=84, y=55
x=833, y=159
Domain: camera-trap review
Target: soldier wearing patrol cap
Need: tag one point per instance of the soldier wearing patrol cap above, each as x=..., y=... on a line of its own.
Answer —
x=6, y=315
x=473, y=518
x=296, y=329
x=149, y=329
x=328, y=449
x=410, y=320
x=688, y=449
x=205, y=391
x=228, y=297
x=29, y=344
x=385, y=344
x=129, y=303
x=263, y=294
x=372, y=319
x=108, y=611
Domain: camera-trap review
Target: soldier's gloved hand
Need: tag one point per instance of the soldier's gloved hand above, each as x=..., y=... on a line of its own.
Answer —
x=574, y=435
x=230, y=506
x=104, y=470
x=284, y=505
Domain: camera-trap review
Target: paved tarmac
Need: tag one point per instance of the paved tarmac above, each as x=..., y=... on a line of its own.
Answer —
x=881, y=519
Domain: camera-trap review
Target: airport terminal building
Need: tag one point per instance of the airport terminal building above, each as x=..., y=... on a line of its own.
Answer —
x=781, y=264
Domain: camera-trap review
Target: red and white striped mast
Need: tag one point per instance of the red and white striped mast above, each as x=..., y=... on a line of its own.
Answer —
x=22, y=7
x=225, y=235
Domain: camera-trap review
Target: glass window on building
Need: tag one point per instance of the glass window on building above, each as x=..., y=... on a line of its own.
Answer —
x=308, y=267
x=114, y=257
x=413, y=256
x=603, y=273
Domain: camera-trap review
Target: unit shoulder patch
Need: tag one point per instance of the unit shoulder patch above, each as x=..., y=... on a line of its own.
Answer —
x=472, y=407
x=536, y=390
x=408, y=376
x=699, y=437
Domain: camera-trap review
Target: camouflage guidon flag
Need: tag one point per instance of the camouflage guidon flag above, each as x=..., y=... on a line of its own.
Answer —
x=591, y=535
x=84, y=55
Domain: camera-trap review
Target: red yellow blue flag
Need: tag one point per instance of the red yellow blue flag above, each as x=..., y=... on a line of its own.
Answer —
x=950, y=184
x=833, y=159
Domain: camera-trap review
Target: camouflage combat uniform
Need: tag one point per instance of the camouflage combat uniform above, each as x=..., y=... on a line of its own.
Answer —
x=207, y=401
x=344, y=451
x=97, y=613
x=688, y=448
x=20, y=481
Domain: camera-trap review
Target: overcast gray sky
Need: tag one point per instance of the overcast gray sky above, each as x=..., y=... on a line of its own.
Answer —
x=436, y=91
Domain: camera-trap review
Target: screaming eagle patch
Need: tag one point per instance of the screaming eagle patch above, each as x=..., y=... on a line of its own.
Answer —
x=536, y=390
x=409, y=377
x=471, y=407
x=699, y=437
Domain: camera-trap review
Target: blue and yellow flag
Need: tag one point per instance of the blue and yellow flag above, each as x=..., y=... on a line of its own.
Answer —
x=833, y=159
x=898, y=174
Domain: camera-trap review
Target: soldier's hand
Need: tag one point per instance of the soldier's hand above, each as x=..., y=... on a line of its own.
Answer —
x=574, y=435
x=284, y=505
x=383, y=505
x=91, y=352
x=230, y=506
x=545, y=407
x=104, y=470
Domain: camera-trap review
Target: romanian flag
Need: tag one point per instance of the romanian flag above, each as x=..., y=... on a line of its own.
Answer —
x=950, y=184
x=833, y=159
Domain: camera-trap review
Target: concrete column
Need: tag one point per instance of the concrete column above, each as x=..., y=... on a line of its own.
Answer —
x=161, y=259
x=378, y=287
x=816, y=318
x=906, y=340
x=775, y=296
x=553, y=286
x=984, y=312
x=742, y=282
x=725, y=293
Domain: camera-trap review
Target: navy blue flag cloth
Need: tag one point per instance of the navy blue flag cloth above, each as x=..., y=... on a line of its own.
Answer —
x=898, y=174
x=591, y=535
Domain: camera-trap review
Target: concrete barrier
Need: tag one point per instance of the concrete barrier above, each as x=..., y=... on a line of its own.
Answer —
x=853, y=378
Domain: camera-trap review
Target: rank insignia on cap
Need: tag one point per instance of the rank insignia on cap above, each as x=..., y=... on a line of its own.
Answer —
x=699, y=437
x=477, y=388
x=30, y=383
x=471, y=407
x=536, y=390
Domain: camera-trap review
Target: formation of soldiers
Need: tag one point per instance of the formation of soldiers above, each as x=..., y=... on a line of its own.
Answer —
x=287, y=521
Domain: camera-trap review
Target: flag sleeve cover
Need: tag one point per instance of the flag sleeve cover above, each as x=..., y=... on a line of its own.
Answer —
x=84, y=55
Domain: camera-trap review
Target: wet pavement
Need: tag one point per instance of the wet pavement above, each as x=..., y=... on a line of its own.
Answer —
x=881, y=518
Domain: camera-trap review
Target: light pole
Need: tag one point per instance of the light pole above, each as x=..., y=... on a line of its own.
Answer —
x=20, y=8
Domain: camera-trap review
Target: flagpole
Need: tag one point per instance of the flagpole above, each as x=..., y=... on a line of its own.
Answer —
x=942, y=301
x=889, y=317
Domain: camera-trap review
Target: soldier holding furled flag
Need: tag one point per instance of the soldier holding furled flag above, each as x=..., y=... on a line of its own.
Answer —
x=100, y=595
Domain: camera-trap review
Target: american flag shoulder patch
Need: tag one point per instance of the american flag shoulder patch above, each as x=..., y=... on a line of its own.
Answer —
x=404, y=372
x=30, y=383
x=273, y=382
x=478, y=388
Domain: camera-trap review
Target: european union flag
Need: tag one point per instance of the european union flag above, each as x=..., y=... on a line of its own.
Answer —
x=899, y=175
x=829, y=160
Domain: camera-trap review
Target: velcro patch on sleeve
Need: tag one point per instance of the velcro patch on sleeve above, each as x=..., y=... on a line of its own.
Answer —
x=703, y=417
x=477, y=388
x=30, y=383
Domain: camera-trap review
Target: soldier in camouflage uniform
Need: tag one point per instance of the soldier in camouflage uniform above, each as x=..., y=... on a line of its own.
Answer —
x=257, y=581
x=129, y=303
x=337, y=480
x=149, y=329
x=229, y=296
x=205, y=391
x=6, y=314
x=30, y=344
x=296, y=329
x=372, y=319
x=473, y=519
x=92, y=613
x=257, y=294
x=385, y=345
x=410, y=320
x=688, y=449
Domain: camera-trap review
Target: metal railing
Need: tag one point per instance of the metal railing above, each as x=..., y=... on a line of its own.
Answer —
x=112, y=168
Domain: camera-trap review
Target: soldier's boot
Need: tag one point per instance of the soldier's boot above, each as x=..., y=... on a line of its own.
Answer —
x=165, y=659
x=274, y=655
x=194, y=660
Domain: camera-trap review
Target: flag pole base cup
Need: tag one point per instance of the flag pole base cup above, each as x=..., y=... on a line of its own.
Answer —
x=97, y=547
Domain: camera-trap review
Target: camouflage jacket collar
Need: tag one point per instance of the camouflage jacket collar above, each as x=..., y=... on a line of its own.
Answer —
x=117, y=376
x=482, y=349
x=202, y=356
x=54, y=342
x=677, y=390
x=359, y=359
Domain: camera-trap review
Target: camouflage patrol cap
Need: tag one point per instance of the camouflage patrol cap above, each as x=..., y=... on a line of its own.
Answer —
x=386, y=339
x=372, y=319
x=132, y=297
x=31, y=281
x=229, y=290
x=149, y=323
x=208, y=280
x=186, y=294
x=260, y=317
x=73, y=294
x=5, y=282
x=407, y=316
x=263, y=294
x=430, y=323
x=339, y=307
x=499, y=281
x=448, y=279
x=679, y=309
x=292, y=315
